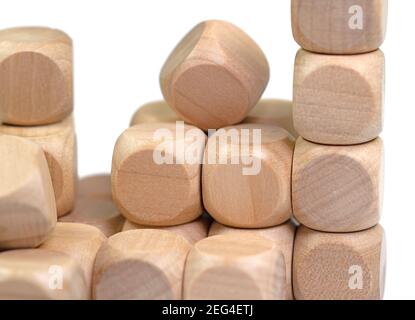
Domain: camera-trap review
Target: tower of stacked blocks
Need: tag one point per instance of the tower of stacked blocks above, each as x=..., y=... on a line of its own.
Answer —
x=214, y=193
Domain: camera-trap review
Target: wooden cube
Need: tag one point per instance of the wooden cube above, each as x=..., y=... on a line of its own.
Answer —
x=34, y=274
x=141, y=265
x=231, y=267
x=215, y=75
x=248, y=194
x=95, y=186
x=27, y=201
x=282, y=235
x=340, y=26
x=35, y=76
x=153, y=112
x=339, y=99
x=342, y=266
x=59, y=144
x=156, y=174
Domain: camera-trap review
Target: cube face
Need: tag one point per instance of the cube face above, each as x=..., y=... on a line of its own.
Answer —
x=348, y=266
x=153, y=112
x=339, y=100
x=339, y=27
x=335, y=188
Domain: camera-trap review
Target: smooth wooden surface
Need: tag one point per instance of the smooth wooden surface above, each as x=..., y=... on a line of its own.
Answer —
x=339, y=99
x=27, y=201
x=79, y=241
x=337, y=188
x=193, y=231
x=230, y=267
x=215, y=75
x=339, y=27
x=96, y=186
x=154, y=194
x=250, y=201
x=58, y=141
x=34, y=274
x=153, y=112
x=141, y=265
x=282, y=235
x=35, y=76
x=348, y=266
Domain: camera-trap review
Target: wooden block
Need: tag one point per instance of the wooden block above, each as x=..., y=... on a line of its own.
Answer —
x=339, y=27
x=193, y=231
x=27, y=202
x=165, y=192
x=238, y=198
x=282, y=235
x=79, y=241
x=215, y=75
x=337, y=188
x=339, y=99
x=35, y=76
x=58, y=141
x=273, y=112
x=154, y=112
x=97, y=186
x=230, y=267
x=34, y=274
x=346, y=266
x=141, y=265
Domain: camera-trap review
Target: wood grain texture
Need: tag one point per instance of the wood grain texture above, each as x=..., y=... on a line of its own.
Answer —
x=27, y=201
x=153, y=194
x=337, y=188
x=141, y=265
x=348, y=266
x=153, y=112
x=58, y=141
x=34, y=274
x=79, y=241
x=215, y=75
x=249, y=201
x=282, y=235
x=339, y=99
x=339, y=27
x=229, y=267
x=36, y=77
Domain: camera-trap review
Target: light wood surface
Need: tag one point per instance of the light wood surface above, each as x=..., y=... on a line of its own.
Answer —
x=35, y=76
x=348, y=266
x=338, y=188
x=141, y=265
x=27, y=201
x=339, y=99
x=58, y=141
x=33, y=274
x=79, y=241
x=153, y=112
x=282, y=235
x=341, y=26
x=230, y=267
x=215, y=75
x=97, y=186
x=249, y=201
x=153, y=194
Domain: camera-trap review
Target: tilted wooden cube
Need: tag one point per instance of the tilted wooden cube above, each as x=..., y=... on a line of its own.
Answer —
x=153, y=112
x=340, y=26
x=339, y=266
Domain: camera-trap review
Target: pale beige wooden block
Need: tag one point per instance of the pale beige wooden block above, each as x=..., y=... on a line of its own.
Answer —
x=339, y=99
x=34, y=274
x=340, y=26
x=230, y=267
x=58, y=141
x=97, y=186
x=282, y=235
x=215, y=75
x=342, y=266
x=79, y=241
x=154, y=112
x=27, y=202
x=36, y=80
x=154, y=181
x=141, y=265
x=256, y=199
x=337, y=188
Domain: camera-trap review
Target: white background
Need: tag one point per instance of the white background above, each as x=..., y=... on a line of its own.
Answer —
x=121, y=45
